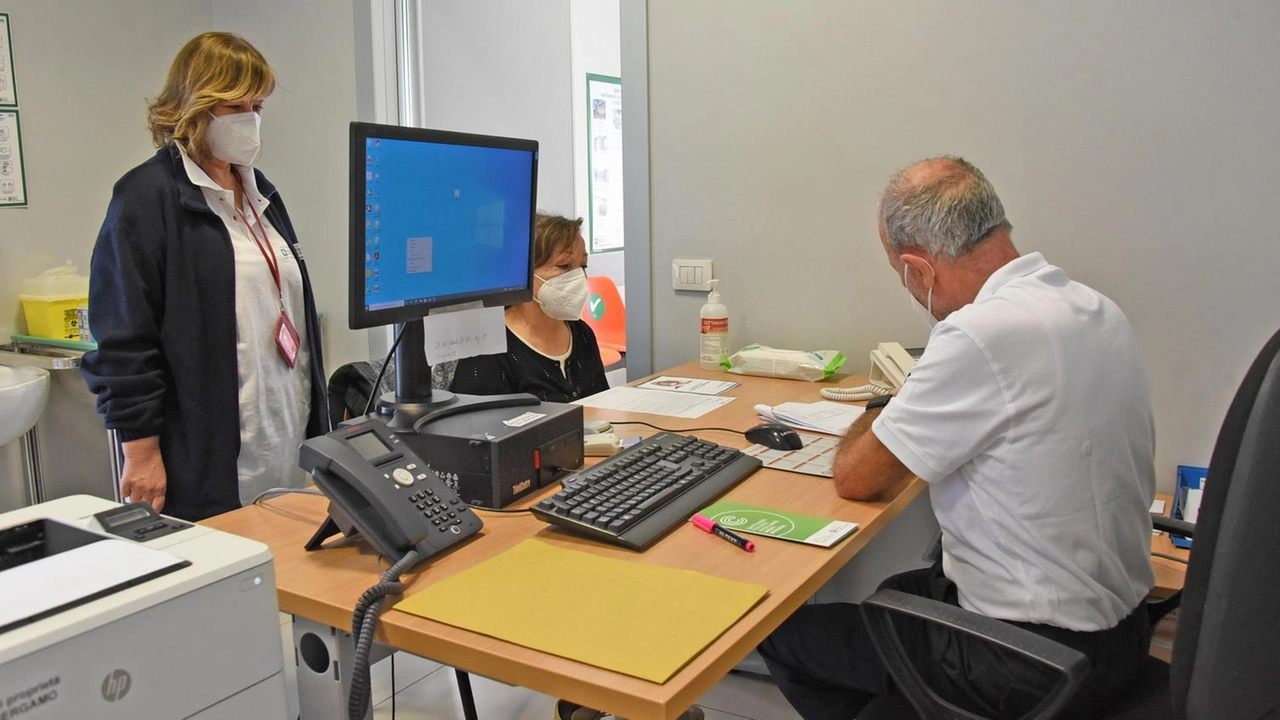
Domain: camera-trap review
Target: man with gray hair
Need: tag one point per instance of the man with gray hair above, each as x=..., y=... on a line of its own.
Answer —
x=1030, y=417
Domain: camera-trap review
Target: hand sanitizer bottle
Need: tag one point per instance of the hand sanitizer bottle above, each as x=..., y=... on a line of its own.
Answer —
x=714, y=345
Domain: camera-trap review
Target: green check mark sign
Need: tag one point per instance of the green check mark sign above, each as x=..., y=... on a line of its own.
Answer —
x=596, y=304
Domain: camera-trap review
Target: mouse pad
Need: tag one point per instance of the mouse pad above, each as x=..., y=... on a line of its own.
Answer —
x=815, y=458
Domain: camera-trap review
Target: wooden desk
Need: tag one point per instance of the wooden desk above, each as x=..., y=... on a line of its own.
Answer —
x=323, y=586
x=1170, y=574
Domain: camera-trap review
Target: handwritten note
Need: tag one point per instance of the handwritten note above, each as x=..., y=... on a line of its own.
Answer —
x=464, y=333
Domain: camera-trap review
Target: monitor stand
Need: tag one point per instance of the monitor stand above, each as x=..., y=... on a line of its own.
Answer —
x=415, y=403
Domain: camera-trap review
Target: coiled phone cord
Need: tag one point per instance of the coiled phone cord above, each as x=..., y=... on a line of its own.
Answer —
x=364, y=620
x=853, y=394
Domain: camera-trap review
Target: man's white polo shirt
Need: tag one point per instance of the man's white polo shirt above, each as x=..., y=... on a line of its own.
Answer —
x=1030, y=416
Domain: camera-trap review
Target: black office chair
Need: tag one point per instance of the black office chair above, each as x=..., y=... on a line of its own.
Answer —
x=1226, y=652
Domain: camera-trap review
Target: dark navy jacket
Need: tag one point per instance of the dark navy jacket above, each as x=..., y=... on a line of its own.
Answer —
x=162, y=306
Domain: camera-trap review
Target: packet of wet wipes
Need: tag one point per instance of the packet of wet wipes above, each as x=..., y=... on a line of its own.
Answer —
x=763, y=360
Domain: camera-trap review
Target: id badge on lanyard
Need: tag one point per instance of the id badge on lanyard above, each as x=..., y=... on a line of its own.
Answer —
x=288, y=341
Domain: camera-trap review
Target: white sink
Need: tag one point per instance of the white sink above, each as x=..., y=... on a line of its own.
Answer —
x=23, y=394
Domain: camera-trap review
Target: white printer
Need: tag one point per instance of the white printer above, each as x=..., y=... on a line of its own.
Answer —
x=173, y=621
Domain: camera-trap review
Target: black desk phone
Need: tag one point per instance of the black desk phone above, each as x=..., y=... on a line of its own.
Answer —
x=379, y=488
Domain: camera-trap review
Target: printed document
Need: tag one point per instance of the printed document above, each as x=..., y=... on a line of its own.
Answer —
x=655, y=402
x=831, y=418
x=697, y=386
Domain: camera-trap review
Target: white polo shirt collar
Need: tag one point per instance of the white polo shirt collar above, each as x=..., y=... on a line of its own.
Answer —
x=248, y=179
x=1010, y=271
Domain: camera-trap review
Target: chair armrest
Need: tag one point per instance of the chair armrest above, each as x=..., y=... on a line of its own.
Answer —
x=878, y=610
x=1173, y=525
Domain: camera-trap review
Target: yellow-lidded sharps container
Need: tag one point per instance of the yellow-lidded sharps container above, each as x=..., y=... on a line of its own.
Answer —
x=52, y=302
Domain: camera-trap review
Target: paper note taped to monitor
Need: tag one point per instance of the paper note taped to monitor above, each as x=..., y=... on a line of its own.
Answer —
x=461, y=333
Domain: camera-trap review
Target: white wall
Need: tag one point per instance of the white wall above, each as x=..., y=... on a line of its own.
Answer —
x=594, y=36
x=311, y=47
x=1134, y=143
x=501, y=67
x=84, y=71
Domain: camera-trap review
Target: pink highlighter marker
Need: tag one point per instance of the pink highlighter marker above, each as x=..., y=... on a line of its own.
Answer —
x=706, y=524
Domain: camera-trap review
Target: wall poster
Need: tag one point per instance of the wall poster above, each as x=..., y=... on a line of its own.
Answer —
x=604, y=163
x=8, y=81
x=13, y=185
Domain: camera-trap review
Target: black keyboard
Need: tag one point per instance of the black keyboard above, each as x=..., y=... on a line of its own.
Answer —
x=642, y=492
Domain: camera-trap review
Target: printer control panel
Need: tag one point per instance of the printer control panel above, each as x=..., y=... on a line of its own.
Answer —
x=138, y=522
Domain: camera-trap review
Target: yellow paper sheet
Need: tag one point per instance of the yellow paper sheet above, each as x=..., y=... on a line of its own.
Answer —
x=635, y=619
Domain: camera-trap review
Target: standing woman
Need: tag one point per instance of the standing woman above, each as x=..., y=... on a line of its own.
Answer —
x=208, y=364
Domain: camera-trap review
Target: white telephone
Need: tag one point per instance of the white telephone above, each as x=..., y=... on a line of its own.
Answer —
x=890, y=365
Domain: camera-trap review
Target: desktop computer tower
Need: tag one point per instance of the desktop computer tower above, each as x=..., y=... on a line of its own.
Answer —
x=495, y=456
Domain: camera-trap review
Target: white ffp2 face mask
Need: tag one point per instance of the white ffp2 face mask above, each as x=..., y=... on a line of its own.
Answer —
x=563, y=296
x=235, y=138
x=925, y=313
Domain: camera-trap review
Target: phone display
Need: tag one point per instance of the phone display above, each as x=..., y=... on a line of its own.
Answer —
x=368, y=445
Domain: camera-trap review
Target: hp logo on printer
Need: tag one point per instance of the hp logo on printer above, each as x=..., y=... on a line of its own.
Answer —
x=116, y=685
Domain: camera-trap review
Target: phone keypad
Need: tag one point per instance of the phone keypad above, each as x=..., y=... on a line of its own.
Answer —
x=440, y=511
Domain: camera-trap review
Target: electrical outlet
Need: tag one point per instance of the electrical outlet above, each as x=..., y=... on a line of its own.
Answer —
x=691, y=274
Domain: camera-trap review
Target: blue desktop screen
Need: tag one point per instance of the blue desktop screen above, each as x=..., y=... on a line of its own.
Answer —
x=444, y=221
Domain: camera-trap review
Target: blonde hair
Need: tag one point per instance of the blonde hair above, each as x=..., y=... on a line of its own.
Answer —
x=212, y=67
x=552, y=234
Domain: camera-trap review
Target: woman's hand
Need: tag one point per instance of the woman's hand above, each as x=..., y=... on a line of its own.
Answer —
x=144, y=477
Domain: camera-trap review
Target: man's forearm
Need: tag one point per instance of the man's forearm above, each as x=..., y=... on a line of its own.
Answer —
x=856, y=430
x=863, y=466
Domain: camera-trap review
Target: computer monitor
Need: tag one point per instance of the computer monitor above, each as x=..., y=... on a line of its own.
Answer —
x=437, y=218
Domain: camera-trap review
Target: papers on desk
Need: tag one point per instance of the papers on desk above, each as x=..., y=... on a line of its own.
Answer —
x=655, y=402
x=641, y=620
x=815, y=458
x=1191, y=508
x=698, y=386
x=1157, y=508
x=831, y=418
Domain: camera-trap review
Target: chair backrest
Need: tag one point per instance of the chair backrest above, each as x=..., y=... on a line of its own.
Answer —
x=1226, y=653
x=605, y=313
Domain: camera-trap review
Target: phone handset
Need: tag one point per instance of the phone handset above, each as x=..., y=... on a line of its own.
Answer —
x=891, y=363
x=890, y=366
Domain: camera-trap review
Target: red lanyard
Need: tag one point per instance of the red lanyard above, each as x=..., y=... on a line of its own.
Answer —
x=287, y=338
x=264, y=247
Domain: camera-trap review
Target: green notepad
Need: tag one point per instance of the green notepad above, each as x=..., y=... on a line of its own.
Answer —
x=777, y=524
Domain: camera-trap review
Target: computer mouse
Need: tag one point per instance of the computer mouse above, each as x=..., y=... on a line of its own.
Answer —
x=776, y=436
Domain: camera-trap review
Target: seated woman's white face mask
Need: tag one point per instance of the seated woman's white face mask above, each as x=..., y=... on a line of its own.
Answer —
x=563, y=296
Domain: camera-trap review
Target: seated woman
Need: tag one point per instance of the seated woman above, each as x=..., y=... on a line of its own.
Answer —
x=551, y=352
